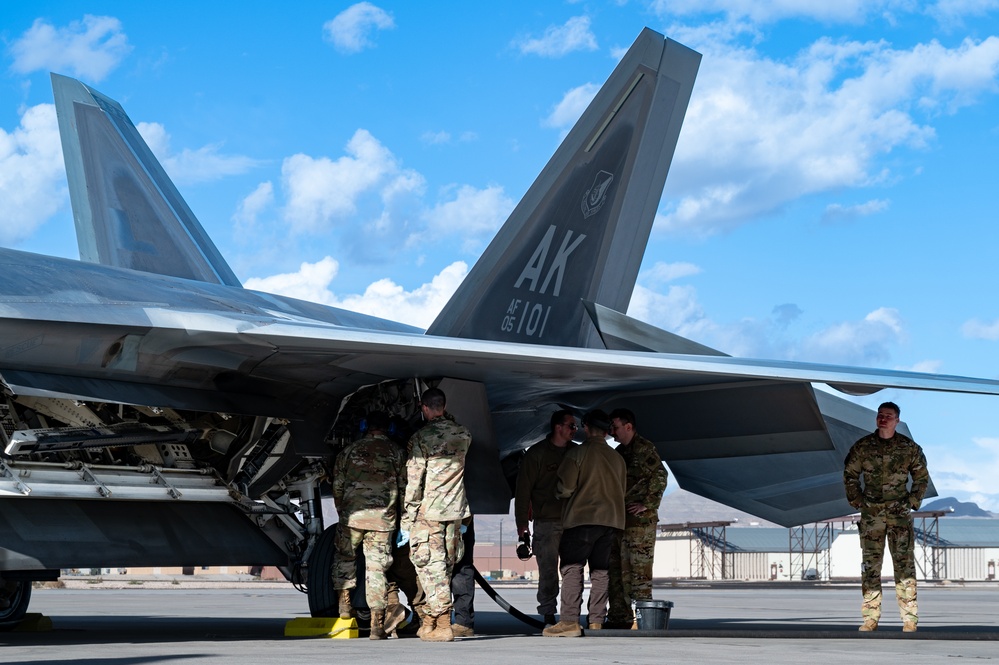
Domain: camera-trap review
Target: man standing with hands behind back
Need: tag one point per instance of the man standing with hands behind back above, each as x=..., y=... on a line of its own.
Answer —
x=886, y=460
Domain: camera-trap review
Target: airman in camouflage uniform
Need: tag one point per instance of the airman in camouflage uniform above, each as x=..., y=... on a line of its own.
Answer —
x=367, y=486
x=886, y=460
x=631, y=559
x=435, y=505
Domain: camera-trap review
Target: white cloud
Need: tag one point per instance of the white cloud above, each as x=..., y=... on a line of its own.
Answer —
x=968, y=471
x=384, y=298
x=760, y=133
x=677, y=310
x=839, y=214
x=32, y=174
x=953, y=12
x=474, y=214
x=926, y=366
x=842, y=11
x=560, y=40
x=976, y=329
x=350, y=30
x=256, y=202
x=202, y=165
x=865, y=342
x=663, y=272
x=311, y=282
x=436, y=138
x=320, y=190
x=419, y=307
x=781, y=336
x=90, y=48
x=567, y=112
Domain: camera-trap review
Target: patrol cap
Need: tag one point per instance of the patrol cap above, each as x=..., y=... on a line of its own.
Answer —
x=597, y=419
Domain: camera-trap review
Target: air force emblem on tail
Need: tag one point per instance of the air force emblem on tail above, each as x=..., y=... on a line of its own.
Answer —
x=596, y=195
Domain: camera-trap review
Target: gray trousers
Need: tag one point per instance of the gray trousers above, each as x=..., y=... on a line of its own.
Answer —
x=586, y=545
x=547, y=534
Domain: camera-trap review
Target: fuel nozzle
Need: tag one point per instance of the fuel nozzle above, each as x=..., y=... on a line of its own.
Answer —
x=524, y=551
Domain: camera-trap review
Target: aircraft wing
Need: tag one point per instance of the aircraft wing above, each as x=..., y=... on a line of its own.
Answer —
x=722, y=424
x=146, y=340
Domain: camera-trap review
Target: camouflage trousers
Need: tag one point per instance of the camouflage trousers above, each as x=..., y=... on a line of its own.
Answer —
x=434, y=549
x=402, y=577
x=377, y=547
x=631, y=571
x=876, y=526
x=547, y=534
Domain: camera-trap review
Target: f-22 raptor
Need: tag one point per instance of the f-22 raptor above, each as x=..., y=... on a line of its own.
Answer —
x=156, y=413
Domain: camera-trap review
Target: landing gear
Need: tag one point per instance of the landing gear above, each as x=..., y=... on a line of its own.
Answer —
x=323, y=600
x=14, y=597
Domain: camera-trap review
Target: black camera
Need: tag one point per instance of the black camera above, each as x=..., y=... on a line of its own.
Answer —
x=524, y=551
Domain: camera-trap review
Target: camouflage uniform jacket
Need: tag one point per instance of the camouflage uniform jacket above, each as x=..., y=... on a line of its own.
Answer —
x=367, y=483
x=647, y=479
x=436, y=472
x=535, y=497
x=886, y=465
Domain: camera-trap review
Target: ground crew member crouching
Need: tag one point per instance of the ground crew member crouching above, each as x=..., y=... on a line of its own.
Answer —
x=632, y=557
x=367, y=481
x=886, y=460
x=435, y=505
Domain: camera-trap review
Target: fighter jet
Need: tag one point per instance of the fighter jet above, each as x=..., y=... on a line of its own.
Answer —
x=156, y=413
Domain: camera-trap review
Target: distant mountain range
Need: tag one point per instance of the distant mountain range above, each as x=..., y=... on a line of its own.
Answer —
x=957, y=508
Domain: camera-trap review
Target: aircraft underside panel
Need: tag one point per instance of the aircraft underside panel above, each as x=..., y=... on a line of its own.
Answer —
x=487, y=490
x=773, y=450
x=46, y=534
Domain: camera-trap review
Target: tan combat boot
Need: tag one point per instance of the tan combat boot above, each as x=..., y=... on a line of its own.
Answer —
x=595, y=626
x=869, y=626
x=564, y=629
x=426, y=623
x=908, y=626
x=394, y=616
x=346, y=611
x=442, y=630
x=377, y=625
x=462, y=631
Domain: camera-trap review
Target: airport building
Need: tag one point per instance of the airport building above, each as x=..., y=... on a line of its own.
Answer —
x=956, y=549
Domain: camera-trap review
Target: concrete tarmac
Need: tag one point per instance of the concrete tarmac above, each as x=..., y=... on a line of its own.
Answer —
x=720, y=623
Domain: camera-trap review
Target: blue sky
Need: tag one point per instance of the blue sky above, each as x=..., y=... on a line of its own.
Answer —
x=832, y=198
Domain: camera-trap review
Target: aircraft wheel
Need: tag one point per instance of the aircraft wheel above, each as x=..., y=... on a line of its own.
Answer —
x=14, y=597
x=323, y=599
x=322, y=596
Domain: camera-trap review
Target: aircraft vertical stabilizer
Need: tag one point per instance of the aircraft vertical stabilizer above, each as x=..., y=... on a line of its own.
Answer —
x=580, y=231
x=128, y=213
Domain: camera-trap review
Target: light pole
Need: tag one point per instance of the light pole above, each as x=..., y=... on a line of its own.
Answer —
x=501, y=548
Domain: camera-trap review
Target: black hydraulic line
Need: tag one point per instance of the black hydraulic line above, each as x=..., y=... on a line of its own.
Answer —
x=529, y=620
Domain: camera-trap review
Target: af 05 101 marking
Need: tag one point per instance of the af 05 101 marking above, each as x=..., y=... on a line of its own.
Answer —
x=536, y=317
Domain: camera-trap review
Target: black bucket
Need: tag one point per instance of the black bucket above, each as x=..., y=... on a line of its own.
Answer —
x=653, y=614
